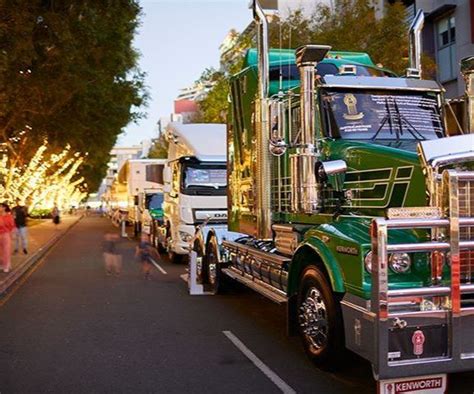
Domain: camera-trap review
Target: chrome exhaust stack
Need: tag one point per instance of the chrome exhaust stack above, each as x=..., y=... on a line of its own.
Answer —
x=262, y=208
x=415, y=50
x=467, y=71
x=305, y=196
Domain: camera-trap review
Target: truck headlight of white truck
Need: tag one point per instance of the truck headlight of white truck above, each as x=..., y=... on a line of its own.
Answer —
x=185, y=237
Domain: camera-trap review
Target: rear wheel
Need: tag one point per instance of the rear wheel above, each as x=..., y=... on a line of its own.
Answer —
x=175, y=258
x=158, y=244
x=320, y=320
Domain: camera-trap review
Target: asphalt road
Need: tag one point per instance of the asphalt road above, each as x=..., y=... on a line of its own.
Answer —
x=69, y=328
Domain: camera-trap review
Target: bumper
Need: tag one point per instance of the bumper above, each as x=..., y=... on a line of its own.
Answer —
x=410, y=343
x=423, y=330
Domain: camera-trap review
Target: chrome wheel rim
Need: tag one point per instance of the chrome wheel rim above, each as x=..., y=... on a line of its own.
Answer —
x=199, y=267
x=313, y=319
x=212, y=269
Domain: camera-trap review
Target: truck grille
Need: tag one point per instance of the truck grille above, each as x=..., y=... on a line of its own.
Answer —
x=466, y=209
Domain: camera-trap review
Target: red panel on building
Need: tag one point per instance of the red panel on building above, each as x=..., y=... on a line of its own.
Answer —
x=185, y=105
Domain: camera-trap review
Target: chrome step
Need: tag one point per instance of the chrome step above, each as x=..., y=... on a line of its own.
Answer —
x=263, y=288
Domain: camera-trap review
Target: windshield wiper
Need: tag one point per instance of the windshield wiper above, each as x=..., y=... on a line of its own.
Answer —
x=386, y=118
x=399, y=119
x=411, y=129
x=205, y=185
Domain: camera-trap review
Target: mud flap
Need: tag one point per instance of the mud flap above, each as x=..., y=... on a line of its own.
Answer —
x=292, y=316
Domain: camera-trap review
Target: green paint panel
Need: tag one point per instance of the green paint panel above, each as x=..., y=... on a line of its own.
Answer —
x=277, y=56
x=381, y=174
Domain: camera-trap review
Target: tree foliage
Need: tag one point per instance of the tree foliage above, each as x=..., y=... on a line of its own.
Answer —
x=159, y=149
x=352, y=25
x=68, y=75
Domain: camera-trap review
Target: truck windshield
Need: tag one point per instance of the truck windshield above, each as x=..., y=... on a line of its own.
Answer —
x=154, y=201
x=202, y=179
x=383, y=115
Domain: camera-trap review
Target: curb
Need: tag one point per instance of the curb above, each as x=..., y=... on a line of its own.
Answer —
x=28, y=263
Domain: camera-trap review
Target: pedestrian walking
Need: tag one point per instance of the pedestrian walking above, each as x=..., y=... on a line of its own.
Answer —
x=20, y=214
x=112, y=258
x=56, y=215
x=145, y=253
x=7, y=225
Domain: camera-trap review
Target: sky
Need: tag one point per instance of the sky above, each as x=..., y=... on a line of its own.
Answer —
x=178, y=39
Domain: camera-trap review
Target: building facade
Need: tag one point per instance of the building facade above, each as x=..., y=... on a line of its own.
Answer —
x=448, y=37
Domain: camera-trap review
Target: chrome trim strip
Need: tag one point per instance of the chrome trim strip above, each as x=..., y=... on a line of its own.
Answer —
x=428, y=246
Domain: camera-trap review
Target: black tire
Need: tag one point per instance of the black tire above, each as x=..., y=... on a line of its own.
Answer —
x=211, y=268
x=320, y=320
x=175, y=258
x=160, y=247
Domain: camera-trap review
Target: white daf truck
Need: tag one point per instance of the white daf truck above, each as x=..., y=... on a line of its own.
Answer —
x=195, y=184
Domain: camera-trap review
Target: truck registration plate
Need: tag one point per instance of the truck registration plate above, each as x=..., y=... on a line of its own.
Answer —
x=433, y=384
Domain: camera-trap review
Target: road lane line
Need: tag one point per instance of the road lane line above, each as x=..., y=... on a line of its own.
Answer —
x=158, y=267
x=279, y=382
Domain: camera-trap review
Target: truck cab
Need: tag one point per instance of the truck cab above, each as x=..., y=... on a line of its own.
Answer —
x=195, y=179
x=150, y=204
x=355, y=205
x=142, y=179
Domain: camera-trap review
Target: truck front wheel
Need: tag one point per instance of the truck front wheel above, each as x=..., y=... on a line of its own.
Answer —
x=211, y=267
x=320, y=321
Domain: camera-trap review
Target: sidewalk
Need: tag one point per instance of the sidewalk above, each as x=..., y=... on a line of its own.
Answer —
x=41, y=237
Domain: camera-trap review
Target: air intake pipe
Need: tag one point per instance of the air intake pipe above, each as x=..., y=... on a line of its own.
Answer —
x=467, y=71
x=262, y=209
x=414, y=71
x=305, y=190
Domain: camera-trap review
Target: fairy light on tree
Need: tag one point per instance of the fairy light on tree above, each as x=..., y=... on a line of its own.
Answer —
x=45, y=180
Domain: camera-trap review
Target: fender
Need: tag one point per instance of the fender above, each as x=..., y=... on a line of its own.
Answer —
x=220, y=233
x=304, y=256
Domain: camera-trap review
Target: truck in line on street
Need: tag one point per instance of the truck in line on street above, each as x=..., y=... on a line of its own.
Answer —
x=357, y=209
x=195, y=185
x=144, y=193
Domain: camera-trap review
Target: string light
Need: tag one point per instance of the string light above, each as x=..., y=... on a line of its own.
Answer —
x=44, y=181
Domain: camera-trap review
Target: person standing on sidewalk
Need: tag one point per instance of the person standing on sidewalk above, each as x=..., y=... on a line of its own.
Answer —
x=20, y=213
x=7, y=225
x=55, y=215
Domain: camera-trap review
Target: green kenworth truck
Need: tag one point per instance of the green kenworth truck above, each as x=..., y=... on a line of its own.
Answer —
x=348, y=203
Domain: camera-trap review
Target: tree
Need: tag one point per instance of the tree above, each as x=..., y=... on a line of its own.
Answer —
x=351, y=25
x=68, y=74
x=159, y=149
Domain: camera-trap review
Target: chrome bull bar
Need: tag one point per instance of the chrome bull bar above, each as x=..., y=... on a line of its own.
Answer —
x=381, y=249
x=456, y=317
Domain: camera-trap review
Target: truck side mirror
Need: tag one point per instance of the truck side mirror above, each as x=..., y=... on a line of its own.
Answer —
x=333, y=172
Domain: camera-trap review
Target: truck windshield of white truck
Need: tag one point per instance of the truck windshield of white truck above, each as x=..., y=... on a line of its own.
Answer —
x=383, y=115
x=155, y=201
x=205, y=179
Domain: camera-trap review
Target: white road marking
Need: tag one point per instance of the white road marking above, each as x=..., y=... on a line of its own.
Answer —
x=279, y=382
x=158, y=267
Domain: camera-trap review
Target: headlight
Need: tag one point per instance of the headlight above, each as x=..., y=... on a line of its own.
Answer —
x=186, y=237
x=368, y=262
x=399, y=262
